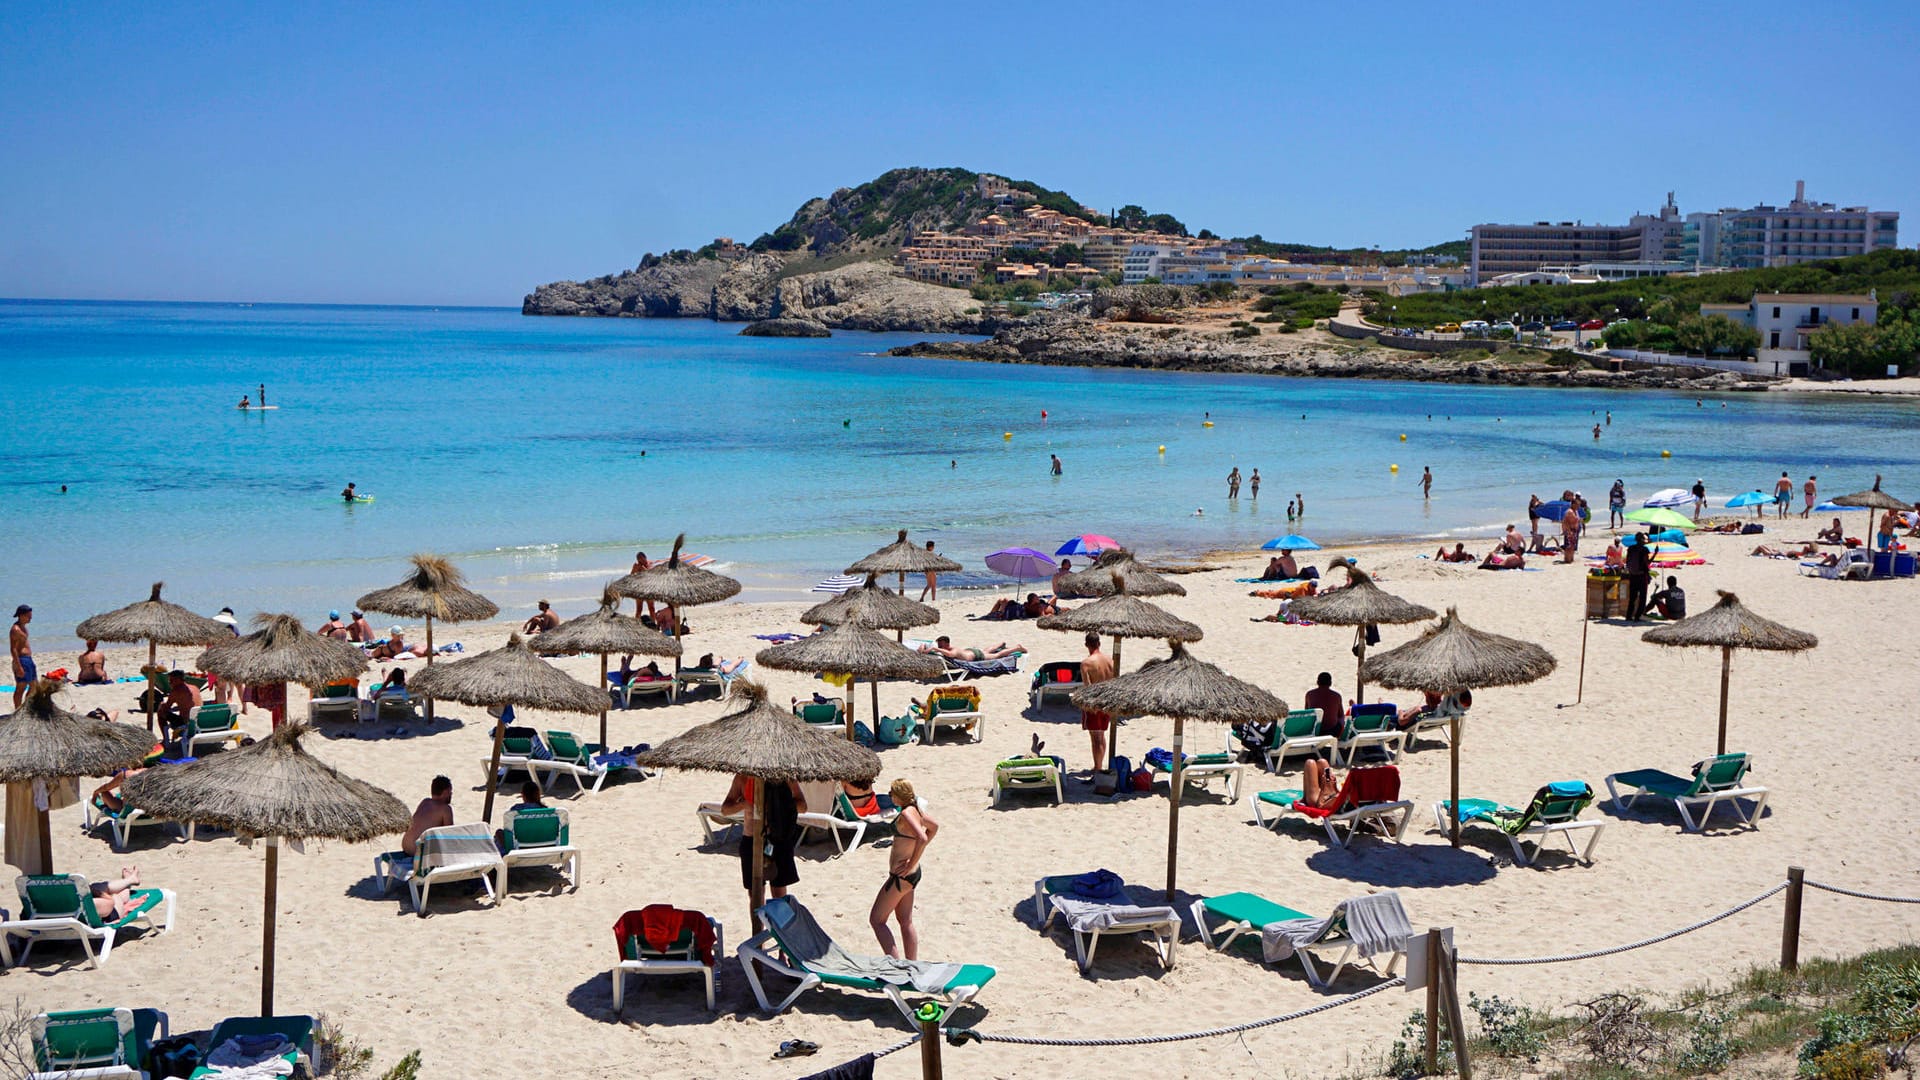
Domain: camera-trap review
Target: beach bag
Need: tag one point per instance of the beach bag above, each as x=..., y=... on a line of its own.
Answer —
x=1122, y=765
x=1752, y=527
x=863, y=734
x=1106, y=781
x=1142, y=780
x=176, y=1056
x=894, y=730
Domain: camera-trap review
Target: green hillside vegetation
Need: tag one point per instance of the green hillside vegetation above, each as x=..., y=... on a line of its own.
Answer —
x=1256, y=245
x=1666, y=311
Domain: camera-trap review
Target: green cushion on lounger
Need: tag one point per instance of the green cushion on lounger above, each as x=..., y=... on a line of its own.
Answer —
x=1656, y=782
x=1025, y=762
x=1282, y=799
x=1480, y=809
x=1255, y=911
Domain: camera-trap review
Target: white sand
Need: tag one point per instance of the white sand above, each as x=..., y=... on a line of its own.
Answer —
x=522, y=988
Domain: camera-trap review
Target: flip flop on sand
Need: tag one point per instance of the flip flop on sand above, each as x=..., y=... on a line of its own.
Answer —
x=796, y=1048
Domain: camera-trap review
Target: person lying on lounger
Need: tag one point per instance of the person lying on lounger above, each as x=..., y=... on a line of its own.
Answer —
x=395, y=647
x=943, y=646
x=648, y=672
x=1322, y=788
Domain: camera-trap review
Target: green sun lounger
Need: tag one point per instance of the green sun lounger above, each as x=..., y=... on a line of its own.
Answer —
x=540, y=837
x=1554, y=810
x=296, y=1030
x=109, y=1044
x=54, y=906
x=1715, y=781
x=1202, y=769
x=1245, y=913
x=794, y=945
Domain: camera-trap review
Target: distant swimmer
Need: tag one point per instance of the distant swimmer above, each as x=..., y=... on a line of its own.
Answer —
x=1609, y=417
x=1426, y=482
x=263, y=395
x=1596, y=431
x=1056, y=463
x=349, y=494
x=246, y=402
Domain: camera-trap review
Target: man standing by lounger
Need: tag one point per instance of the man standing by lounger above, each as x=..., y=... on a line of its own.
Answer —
x=20, y=647
x=1639, y=567
x=1096, y=668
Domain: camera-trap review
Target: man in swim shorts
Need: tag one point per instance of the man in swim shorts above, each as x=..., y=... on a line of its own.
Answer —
x=21, y=648
x=1096, y=668
x=348, y=494
x=943, y=646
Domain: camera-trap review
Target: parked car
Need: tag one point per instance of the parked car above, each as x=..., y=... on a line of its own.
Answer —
x=1617, y=322
x=1533, y=326
x=1447, y=328
x=1565, y=324
x=1474, y=326
x=1594, y=324
x=1504, y=324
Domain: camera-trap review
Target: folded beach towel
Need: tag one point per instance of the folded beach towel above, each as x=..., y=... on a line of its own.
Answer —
x=780, y=638
x=251, y=1057
x=1270, y=581
x=1087, y=916
x=1376, y=924
x=1006, y=665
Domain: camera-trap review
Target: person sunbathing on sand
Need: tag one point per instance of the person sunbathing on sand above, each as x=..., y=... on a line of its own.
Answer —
x=1832, y=534
x=1497, y=561
x=943, y=646
x=395, y=647
x=1772, y=552
x=1458, y=554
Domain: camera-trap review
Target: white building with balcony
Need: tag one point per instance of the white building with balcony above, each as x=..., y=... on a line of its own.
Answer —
x=1786, y=322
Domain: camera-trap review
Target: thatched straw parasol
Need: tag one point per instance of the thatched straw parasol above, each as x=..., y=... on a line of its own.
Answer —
x=273, y=789
x=39, y=742
x=1359, y=604
x=1451, y=657
x=605, y=631
x=435, y=590
x=856, y=651
x=509, y=676
x=1729, y=626
x=1874, y=499
x=1097, y=580
x=676, y=586
x=157, y=623
x=873, y=607
x=282, y=651
x=903, y=558
x=1121, y=615
x=1182, y=688
x=757, y=739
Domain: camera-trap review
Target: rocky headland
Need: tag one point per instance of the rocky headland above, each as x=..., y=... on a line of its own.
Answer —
x=785, y=328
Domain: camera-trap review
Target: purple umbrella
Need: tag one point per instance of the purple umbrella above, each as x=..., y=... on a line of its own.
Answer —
x=1022, y=563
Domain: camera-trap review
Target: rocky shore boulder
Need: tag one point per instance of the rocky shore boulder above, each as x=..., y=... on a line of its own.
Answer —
x=785, y=328
x=875, y=296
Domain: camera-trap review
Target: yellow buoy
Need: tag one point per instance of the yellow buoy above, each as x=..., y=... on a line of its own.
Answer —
x=1666, y=453
x=1008, y=436
x=1206, y=423
x=1163, y=448
x=1403, y=437
x=1393, y=468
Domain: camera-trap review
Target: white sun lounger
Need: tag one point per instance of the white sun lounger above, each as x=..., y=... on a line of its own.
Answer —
x=541, y=838
x=444, y=854
x=60, y=907
x=1026, y=774
x=1090, y=919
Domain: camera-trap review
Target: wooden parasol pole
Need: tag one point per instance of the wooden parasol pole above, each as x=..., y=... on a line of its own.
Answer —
x=603, y=712
x=430, y=699
x=493, y=768
x=852, y=682
x=1580, y=692
x=1453, y=764
x=266, y=940
x=759, y=814
x=1360, y=666
x=1173, y=810
x=46, y=842
x=153, y=661
x=1726, y=670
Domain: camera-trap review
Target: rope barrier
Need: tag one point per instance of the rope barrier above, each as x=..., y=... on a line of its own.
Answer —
x=1863, y=895
x=1502, y=961
x=1147, y=1040
x=901, y=1045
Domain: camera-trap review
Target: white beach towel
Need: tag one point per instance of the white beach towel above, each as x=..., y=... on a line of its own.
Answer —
x=1376, y=924
x=251, y=1057
x=1087, y=916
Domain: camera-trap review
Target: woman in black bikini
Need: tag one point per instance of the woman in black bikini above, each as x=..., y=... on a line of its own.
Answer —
x=913, y=830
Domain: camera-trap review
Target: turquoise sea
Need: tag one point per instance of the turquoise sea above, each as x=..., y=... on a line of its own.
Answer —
x=542, y=453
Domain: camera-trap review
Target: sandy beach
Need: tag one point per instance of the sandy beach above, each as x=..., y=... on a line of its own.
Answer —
x=521, y=987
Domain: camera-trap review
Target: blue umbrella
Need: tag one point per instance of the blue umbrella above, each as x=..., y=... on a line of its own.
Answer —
x=1835, y=508
x=1088, y=544
x=1551, y=510
x=1750, y=498
x=1022, y=563
x=1290, y=542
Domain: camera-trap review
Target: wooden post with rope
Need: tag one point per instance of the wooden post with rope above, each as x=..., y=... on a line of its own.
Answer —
x=929, y=1016
x=1449, y=970
x=1434, y=948
x=1790, y=924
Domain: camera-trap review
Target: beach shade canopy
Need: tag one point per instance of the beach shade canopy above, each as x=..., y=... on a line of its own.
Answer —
x=839, y=583
x=511, y=675
x=1088, y=544
x=272, y=789
x=40, y=741
x=851, y=649
x=1360, y=603
x=1022, y=563
x=676, y=583
x=1098, y=580
x=1728, y=625
x=1181, y=688
x=1451, y=657
x=755, y=738
x=281, y=650
x=1669, y=498
x=1552, y=510
x=436, y=589
x=1290, y=542
x=872, y=606
x=1873, y=499
x=904, y=557
x=1834, y=508
x=157, y=623
x=1749, y=498
x=605, y=631
x=1121, y=615
x=1662, y=517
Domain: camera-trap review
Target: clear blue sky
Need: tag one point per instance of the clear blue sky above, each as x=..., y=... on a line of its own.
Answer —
x=415, y=153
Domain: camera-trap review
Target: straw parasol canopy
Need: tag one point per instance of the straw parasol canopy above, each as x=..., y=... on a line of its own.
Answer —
x=903, y=557
x=282, y=651
x=1098, y=580
x=872, y=606
x=605, y=631
x=1452, y=656
x=1183, y=688
x=40, y=741
x=856, y=651
x=1873, y=499
x=435, y=590
x=157, y=623
x=511, y=675
x=676, y=585
x=1728, y=625
x=1360, y=603
x=1121, y=615
x=272, y=789
x=757, y=739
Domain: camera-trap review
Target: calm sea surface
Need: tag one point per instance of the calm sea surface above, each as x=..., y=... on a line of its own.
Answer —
x=542, y=453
